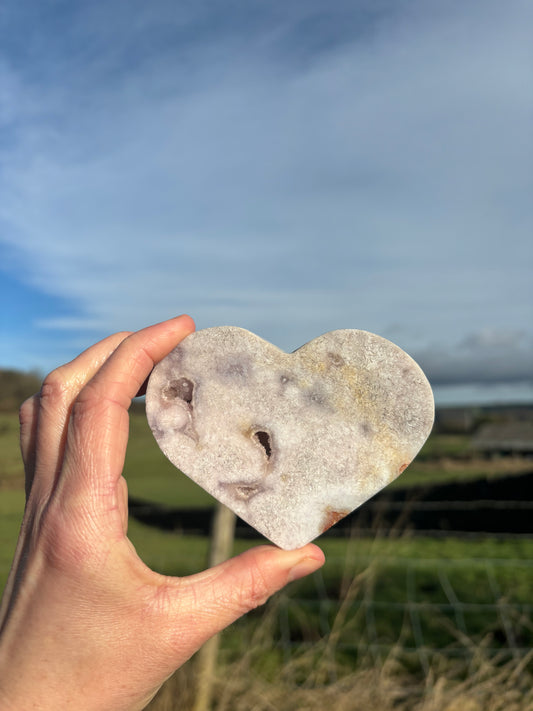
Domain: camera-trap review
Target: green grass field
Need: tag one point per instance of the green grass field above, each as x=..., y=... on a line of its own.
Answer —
x=372, y=598
x=150, y=476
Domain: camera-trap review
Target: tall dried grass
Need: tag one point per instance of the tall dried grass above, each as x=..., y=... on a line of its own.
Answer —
x=488, y=686
x=317, y=677
x=260, y=670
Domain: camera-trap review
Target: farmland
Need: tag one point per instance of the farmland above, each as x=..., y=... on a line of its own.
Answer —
x=394, y=619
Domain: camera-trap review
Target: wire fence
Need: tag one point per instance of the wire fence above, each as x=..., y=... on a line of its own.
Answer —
x=422, y=608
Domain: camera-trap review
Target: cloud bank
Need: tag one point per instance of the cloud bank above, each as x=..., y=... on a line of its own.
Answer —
x=276, y=166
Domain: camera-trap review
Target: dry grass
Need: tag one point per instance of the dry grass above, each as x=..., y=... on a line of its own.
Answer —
x=257, y=671
x=388, y=687
x=317, y=678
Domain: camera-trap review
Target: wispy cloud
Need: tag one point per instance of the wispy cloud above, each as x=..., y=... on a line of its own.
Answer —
x=281, y=168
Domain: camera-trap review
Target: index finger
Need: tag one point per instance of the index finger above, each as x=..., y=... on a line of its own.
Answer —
x=98, y=430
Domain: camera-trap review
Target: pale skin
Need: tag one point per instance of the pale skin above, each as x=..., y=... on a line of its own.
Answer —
x=84, y=623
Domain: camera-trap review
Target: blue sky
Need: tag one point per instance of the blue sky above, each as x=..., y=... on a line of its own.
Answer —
x=290, y=167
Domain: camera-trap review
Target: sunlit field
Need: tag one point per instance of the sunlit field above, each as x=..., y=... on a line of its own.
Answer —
x=394, y=620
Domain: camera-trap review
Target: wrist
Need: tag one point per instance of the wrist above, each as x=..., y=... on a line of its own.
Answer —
x=38, y=685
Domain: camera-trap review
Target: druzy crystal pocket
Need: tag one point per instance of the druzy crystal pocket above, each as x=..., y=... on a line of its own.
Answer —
x=291, y=442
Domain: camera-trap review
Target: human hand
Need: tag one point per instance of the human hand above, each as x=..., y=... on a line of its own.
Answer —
x=84, y=623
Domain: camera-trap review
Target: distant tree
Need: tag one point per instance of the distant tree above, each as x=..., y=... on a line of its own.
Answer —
x=15, y=387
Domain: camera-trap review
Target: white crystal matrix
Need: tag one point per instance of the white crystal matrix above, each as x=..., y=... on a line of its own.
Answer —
x=292, y=442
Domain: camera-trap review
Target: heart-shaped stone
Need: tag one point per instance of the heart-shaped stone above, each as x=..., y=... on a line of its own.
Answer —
x=291, y=442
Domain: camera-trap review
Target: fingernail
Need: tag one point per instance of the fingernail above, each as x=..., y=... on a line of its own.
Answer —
x=303, y=568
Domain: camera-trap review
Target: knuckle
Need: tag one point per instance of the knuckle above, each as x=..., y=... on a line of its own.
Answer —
x=87, y=396
x=93, y=396
x=27, y=412
x=54, y=388
x=85, y=406
x=257, y=589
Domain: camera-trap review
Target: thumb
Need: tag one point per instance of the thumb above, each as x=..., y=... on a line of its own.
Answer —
x=212, y=600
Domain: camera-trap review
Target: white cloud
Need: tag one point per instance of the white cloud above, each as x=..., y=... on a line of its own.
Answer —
x=384, y=179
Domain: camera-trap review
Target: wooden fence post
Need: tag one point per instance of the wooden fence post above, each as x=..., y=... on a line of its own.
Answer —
x=221, y=548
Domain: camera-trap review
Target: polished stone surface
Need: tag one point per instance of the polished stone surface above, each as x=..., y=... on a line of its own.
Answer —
x=292, y=442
